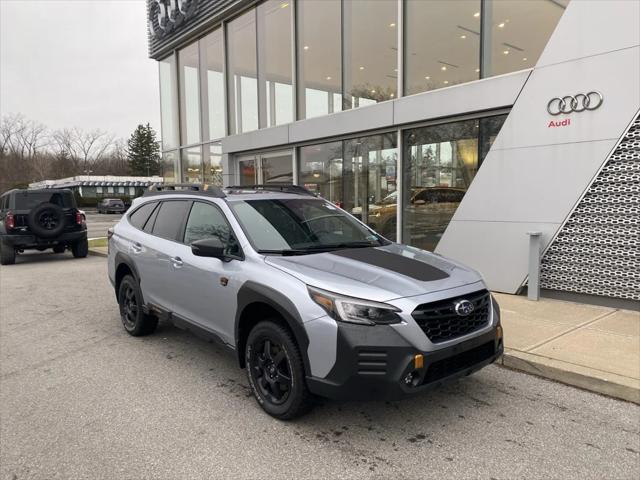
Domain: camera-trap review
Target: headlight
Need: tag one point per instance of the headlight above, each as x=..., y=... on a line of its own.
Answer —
x=355, y=310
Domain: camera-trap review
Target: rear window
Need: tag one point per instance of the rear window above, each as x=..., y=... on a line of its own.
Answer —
x=140, y=216
x=116, y=202
x=28, y=200
x=170, y=218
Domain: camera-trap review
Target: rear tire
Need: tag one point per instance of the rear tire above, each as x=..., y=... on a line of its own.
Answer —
x=59, y=249
x=276, y=372
x=7, y=254
x=80, y=249
x=134, y=320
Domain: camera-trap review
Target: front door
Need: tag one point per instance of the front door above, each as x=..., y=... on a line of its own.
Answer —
x=272, y=167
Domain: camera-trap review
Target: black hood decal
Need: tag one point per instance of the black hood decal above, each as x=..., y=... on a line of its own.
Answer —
x=396, y=263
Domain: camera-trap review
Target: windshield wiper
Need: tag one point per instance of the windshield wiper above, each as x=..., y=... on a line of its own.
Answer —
x=285, y=253
x=317, y=248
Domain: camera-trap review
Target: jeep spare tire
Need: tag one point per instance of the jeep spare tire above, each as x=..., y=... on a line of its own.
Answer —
x=46, y=220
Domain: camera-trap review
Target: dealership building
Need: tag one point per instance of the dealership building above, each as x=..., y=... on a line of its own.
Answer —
x=472, y=128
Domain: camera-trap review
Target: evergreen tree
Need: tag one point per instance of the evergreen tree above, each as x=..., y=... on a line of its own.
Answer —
x=143, y=152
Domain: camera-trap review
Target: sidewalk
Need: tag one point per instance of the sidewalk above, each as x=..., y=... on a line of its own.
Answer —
x=591, y=347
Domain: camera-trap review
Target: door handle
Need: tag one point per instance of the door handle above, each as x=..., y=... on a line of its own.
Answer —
x=176, y=262
x=136, y=247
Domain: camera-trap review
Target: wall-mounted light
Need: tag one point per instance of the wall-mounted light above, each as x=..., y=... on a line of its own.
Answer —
x=524, y=59
x=306, y=47
x=477, y=14
x=284, y=5
x=443, y=68
x=463, y=37
x=501, y=25
x=446, y=82
x=361, y=68
x=427, y=77
x=328, y=78
x=392, y=25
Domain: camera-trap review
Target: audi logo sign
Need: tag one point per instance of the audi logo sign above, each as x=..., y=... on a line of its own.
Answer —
x=575, y=103
x=165, y=16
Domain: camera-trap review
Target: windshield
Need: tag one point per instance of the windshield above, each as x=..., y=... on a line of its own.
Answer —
x=299, y=226
x=27, y=200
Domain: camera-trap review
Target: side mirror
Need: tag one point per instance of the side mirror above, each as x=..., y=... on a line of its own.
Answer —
x=209, y=247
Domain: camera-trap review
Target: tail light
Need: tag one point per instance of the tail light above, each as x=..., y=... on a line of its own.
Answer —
x=79, y=218
x=339, y=204
x=10, y=221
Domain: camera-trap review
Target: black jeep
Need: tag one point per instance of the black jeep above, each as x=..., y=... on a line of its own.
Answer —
x=41, y=219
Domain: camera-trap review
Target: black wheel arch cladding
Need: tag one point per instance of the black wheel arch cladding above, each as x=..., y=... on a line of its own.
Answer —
x=123, y=260
x=253, y=292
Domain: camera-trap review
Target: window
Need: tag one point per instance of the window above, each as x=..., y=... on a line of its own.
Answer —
x=169, y=219
x=189, y=95
x=148, y=227
x=319, y=56
x=442, y=43
x=207, y=221
x=321, y=170
x=168, y=102
x=139, y=217
x=212, y=50
x=132, y=191
x=274, y=63
x=370, y=51
x=192, y=165
x=442, y=161
x=170, y=167
x=277, y=168
x=98, y=190
x=369, y=177
x=213, y=172
x=518, y=33
x=242, y=76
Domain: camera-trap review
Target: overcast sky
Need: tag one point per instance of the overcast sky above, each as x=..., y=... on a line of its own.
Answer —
x=78, y=63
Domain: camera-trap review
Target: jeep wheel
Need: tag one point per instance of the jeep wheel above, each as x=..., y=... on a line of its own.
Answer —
x=59, y=249
x=46, y=220
x=134, y=320
x=80, y=249
x=276, y=372
x=7, y=254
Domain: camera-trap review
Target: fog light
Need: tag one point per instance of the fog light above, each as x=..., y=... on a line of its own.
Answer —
x=418, y=361
x=499, y=331
x=408, y=380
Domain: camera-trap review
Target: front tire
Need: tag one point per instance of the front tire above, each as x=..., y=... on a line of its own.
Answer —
x=134, y=320
x=276, y=372
x=7, y=254
x=80, y=249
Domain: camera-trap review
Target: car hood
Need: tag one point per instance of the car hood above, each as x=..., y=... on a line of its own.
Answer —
x=377, y=273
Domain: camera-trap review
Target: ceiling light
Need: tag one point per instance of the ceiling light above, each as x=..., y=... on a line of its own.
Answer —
x=373, y=91
x=284, y=5
x=501, y=25
x=395, y=69
x=477, y=70
x=463, y=36
x=506, y=52
x=443, y=68
x=446, y=82
x=427, y=78
x=306, y=47
x=392, y=25
x=477, y=14
x=524, y=59
x=361, y=68
x=328, y=78
x=393, y=95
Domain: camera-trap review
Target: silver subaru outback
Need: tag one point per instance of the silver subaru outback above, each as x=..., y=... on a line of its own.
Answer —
x=311, y=301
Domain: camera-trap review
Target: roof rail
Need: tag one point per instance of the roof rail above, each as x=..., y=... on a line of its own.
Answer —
x=273, y=187
x=182, y=188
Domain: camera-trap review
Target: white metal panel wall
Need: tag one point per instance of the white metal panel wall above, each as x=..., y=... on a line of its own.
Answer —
x=535, y=174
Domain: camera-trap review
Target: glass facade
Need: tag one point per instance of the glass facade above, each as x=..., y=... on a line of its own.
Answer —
x=243, y=73
x=213, y=172
x=188, y=61
x=192, y=165
x=441, y=161
x=168, y=103
x=213, y=84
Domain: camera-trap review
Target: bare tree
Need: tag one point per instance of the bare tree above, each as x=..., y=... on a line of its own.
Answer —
x=91, y=146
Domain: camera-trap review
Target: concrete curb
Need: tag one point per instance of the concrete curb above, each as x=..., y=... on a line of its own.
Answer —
x=97, y=253
x=610, y=384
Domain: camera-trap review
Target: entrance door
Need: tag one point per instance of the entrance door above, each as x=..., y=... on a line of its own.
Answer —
x=272, y=167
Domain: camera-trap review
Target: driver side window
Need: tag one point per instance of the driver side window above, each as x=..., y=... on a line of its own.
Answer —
x=206, y=221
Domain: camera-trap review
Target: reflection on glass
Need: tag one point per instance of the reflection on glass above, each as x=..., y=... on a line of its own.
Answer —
x=243, y=84
x=189, y=95
x=321, y=170
x=442, y=161
x=442, y=43
x=170, y=167
x=192, y=165
x=274, y=62
x=370, y=51
x=168, y=103
x=213, y=164
x=248, y=171
x=214, y=57
x=369, y=176
x=319, y=55
x=277, y=168
x=519, y=32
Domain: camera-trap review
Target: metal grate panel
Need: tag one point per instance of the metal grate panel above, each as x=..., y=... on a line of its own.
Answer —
x=598, y=250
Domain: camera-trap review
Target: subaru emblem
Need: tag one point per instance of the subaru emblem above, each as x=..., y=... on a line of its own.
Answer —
x=464, y=308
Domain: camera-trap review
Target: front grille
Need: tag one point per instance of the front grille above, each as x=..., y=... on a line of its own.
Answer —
x=448, y=366
x=440, y=322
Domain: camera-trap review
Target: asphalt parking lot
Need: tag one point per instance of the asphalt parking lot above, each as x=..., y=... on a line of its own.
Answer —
x=79, y=398
x=99, y=223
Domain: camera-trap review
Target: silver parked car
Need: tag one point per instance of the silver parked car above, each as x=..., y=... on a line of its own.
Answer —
x=309, y=299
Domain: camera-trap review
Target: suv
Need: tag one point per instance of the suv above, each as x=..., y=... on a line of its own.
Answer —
x=111, y=205
x=310, y=300
x=41, y=219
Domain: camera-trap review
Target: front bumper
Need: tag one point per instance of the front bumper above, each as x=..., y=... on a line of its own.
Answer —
x=32, y=241
x=373, y=363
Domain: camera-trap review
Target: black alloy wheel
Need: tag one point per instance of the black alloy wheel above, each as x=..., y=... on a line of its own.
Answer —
x=134, y=320
x=275, y=371
x=129, y=308
x=49, y=220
